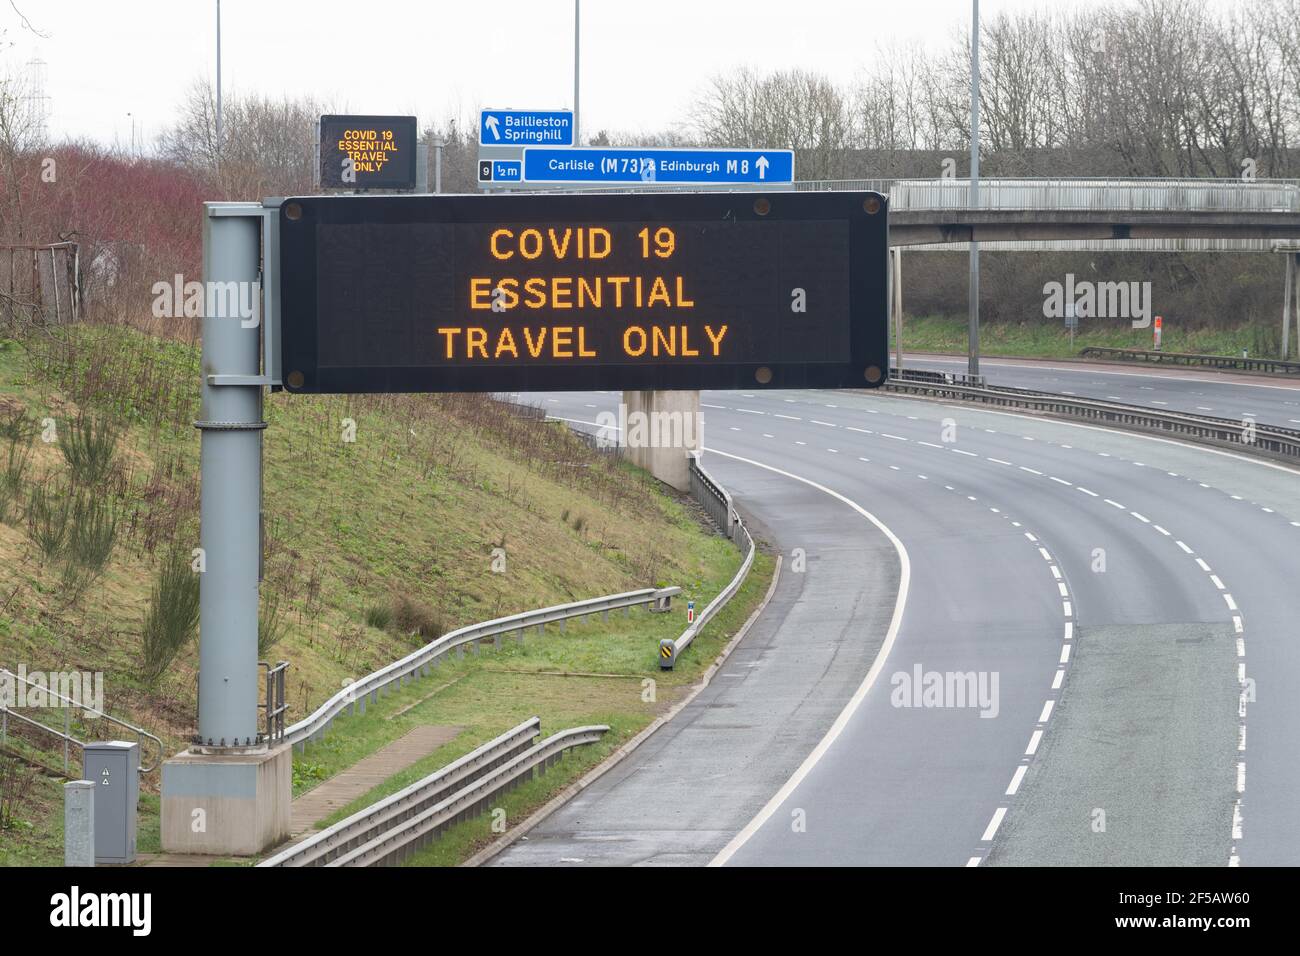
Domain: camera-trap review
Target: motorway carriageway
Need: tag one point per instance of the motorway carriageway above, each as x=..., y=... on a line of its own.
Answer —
x=1125, y=590
x=1271, y=400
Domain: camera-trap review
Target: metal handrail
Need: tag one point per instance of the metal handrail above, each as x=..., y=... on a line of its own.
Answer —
x=314, y=725
x=1059, y=192
x=383, y=815
x=66, y=734
x=276, y=705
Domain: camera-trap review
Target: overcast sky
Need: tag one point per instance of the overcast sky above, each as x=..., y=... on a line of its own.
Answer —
x=643, y=61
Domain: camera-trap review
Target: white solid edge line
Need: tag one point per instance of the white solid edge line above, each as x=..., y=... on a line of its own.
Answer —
x=841, y=721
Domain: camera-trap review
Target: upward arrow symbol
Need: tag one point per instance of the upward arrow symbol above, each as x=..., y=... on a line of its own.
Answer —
x=491, y=123
x=762, y=165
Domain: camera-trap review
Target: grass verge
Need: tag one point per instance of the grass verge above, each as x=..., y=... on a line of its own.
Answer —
x=1048, y=338
x=389, y=519
x=595, y=673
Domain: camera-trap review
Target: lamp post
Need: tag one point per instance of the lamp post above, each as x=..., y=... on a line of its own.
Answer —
x=973, y=341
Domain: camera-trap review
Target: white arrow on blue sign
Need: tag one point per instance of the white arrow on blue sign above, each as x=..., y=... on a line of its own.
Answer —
x=525, y=128
x=600, y=165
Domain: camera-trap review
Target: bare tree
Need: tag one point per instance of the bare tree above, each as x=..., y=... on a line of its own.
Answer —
x=792, y=109
x=267, y=145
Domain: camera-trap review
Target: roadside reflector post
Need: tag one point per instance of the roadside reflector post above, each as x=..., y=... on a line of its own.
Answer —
x=667, y=653
x=1159, y=323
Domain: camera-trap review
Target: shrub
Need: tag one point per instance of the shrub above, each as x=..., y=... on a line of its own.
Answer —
x=271, y=625
x=16, y=780
x=173, y=618
x=89, y=443
x=48, y=511
x=92, y=535
x=94, y=532
x=17, y=432
x=416, y=618
x=379, y=616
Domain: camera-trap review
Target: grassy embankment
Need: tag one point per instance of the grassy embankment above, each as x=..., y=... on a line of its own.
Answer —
x=1046, y=338
x=373, y=547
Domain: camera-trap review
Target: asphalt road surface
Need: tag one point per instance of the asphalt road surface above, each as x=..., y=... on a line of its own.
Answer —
x=1094, y=660
x=1272, y=400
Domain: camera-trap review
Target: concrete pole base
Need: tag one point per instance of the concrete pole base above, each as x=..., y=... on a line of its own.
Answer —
x=226, y=804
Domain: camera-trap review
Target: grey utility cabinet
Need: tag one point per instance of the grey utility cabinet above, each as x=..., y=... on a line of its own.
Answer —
x=114, y=766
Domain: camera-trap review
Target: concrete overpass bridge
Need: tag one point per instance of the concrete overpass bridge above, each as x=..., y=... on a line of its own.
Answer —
x=1085, y=214
x=1136, y=215
x=1064, y=229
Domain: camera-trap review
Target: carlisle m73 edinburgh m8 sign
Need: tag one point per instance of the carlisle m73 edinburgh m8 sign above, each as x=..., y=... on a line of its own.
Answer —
x=488, y=293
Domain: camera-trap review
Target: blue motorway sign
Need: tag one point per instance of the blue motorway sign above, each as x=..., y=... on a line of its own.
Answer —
x=499, y=170
x=525, y=128
x=601, y=165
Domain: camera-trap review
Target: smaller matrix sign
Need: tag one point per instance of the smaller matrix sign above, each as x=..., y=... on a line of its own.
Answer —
x=367, y=152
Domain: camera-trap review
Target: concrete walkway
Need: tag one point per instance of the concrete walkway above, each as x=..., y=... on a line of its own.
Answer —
x=341, y=789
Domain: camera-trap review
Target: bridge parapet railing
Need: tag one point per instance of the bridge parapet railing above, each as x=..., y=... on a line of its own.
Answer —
x=1194, y=195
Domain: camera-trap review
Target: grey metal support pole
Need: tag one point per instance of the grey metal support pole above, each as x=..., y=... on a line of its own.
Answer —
x=230, y=472
x=973, y=343
x=576, y=20
x=1296, y=307
x=422, y=168
x=896, y=301
x=218, y=145
x=1287, y=296
x=437, y=167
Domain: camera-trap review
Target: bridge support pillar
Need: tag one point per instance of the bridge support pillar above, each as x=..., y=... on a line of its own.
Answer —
x=896, y=301
x=660, y=430
x=1290, y=304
